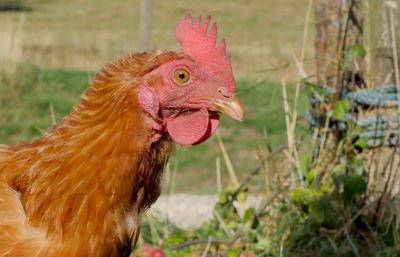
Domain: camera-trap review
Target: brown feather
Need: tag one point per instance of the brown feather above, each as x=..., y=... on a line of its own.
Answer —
x=81, y=188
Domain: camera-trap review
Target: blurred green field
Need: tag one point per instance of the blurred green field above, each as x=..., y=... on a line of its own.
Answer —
x=49, y=55
x=77, y=34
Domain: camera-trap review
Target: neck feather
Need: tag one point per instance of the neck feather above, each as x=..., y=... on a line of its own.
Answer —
x=87, y=172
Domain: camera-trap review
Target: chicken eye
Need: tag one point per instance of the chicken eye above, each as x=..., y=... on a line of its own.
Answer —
x=181, y=76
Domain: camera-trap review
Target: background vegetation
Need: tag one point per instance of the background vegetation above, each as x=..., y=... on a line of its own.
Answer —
x=314, y=203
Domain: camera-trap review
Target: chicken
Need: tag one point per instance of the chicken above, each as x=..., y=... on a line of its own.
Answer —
x=81, y=188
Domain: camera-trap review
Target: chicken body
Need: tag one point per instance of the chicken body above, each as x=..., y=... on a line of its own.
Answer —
x=80, y=189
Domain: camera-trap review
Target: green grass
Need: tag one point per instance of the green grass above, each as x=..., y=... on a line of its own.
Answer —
x=26, y=105
x=26, y=112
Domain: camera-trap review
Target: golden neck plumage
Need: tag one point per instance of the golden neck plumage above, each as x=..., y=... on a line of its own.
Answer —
x=85, y=174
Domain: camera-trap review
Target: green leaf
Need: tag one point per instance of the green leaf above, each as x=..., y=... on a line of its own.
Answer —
x=233, y=253
x=362, y=142
x=304, y=196
x=223, y=198
x=356, y=184
x=250, y=219
x=360, y=50
x=310, y=176
x=241, y=197
x=263, y=244
x=352, y=184
x=248, y=214
x=341, y=109
x=176, y=239
x=357, y=130
x=305, y=163
x=351, y=53
x=340, y=168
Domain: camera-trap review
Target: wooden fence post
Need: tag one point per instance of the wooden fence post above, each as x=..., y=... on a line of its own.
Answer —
x=338, y=24
x=383, y=163
x=374, y=24
x=145, y=25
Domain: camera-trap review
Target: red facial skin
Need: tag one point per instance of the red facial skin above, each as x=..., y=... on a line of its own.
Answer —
x=182, y=109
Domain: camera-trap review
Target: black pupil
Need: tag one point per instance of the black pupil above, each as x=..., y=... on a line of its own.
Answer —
x=181, y=75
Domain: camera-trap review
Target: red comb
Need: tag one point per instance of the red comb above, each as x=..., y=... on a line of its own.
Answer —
x=202, y=47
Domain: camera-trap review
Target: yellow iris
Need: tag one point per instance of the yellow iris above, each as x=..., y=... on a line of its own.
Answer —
x=181, y=76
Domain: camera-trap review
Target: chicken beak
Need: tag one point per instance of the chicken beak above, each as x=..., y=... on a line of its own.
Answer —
x=231, y=106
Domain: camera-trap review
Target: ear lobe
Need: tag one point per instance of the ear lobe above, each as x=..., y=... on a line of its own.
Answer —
x=149, y=102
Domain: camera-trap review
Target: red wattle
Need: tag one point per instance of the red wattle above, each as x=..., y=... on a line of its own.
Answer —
x=192, y=127
x=212, y=127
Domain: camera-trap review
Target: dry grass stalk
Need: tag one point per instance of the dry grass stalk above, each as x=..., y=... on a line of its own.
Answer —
x=275, y=175
x=207, y=247
x=52, y=114
x=391, y=5
x=268, y=177
x=228, y=162
x=218, y=174
x=292, y=153
x=228, y=231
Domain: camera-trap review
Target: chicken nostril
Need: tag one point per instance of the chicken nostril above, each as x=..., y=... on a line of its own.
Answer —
x=224, y=91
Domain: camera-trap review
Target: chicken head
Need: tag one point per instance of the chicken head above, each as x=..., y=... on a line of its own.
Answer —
x=184, y=96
